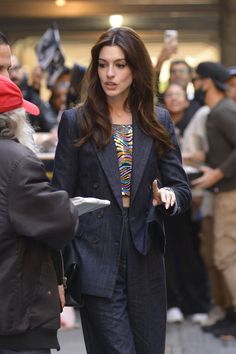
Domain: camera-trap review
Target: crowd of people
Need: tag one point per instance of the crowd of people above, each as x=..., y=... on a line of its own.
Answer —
x=107, y=124
x=200, y=254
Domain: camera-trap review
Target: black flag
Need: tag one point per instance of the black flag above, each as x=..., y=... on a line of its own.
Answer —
x=49, y=54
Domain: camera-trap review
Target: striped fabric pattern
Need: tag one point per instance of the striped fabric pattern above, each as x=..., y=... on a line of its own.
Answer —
x=123, y=138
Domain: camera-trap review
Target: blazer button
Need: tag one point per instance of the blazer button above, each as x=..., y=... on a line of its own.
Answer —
x=100, y=214
x=95, y=185
x=95, y=240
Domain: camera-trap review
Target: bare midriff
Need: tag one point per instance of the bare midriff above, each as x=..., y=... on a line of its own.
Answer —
x=126, y=201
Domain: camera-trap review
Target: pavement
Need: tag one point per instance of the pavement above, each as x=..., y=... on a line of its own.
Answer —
x=185, y=338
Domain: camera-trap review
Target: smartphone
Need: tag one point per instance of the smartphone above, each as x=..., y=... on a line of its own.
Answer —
x=171, y=39
x=170, y=35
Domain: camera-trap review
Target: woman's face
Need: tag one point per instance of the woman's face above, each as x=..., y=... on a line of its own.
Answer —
x=175, y=99
x=180, y=74
x=114, y=73
x=59, y=99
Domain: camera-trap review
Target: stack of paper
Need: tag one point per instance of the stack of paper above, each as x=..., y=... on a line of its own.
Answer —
x=85, y=205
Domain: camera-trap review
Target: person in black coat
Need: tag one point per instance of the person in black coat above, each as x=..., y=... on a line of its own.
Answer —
x=114, y=146
x=36, y=221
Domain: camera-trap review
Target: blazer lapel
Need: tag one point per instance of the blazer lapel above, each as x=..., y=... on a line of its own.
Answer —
x=109, y=163
x=142, y=145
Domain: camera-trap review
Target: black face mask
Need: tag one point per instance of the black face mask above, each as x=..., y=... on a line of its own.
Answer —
x=199, y=95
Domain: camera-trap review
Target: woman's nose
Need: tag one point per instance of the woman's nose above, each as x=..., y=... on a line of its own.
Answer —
x=110, y=71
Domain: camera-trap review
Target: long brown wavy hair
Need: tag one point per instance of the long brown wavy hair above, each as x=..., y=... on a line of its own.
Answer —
x=96, y=122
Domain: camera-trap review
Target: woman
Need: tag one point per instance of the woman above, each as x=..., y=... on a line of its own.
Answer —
x=114, y=146
x=186, y=277
x=176, y=101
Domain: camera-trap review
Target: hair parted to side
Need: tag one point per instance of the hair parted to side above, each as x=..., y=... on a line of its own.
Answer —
x=14, y=125
x=96, y=122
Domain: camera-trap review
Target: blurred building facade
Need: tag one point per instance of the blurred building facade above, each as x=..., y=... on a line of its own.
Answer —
x=206, y=27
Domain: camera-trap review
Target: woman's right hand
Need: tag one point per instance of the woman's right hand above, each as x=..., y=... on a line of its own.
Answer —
x=163, y=195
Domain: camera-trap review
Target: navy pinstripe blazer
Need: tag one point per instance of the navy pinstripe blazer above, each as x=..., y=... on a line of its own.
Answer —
x=92, y=172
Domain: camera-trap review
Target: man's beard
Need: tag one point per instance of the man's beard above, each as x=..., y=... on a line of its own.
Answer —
x=24, y=132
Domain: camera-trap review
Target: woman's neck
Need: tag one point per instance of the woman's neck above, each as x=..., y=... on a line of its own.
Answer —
x=177, y=117
x=120, y=115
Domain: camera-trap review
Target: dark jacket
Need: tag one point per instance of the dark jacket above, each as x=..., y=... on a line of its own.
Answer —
x=46, y=119
x=34, y=219
x=92, y=172
x=221, y=135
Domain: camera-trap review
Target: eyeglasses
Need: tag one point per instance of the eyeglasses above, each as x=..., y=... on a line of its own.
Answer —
x=180, y=71
x=15, y=68
x=174, y=94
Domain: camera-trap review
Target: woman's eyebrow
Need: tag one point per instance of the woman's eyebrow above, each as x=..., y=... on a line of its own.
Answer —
x=119, y=59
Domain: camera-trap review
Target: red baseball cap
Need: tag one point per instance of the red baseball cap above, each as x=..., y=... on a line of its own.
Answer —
x=11, y=98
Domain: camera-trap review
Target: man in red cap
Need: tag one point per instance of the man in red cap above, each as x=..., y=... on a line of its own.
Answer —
x=11, y=98
x=36, y=221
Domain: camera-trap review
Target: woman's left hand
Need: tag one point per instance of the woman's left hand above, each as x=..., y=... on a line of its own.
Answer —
x=164, y=195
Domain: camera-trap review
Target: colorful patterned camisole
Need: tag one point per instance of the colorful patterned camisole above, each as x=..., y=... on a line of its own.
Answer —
x=123, y=138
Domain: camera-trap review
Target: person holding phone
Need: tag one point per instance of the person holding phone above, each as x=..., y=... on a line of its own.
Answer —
x=170, y=47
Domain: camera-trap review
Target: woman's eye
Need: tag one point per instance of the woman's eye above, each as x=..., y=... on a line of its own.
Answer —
x=120, y=66
x=101, y=65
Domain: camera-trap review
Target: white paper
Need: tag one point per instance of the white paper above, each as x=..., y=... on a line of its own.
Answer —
x=190, y=169
x=86, y=205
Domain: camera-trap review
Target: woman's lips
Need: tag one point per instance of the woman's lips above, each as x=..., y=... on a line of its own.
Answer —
x=110, y=85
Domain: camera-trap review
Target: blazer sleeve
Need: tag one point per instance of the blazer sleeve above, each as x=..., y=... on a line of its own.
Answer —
x=65, y=166
x=36, y=209
x=171, y=170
